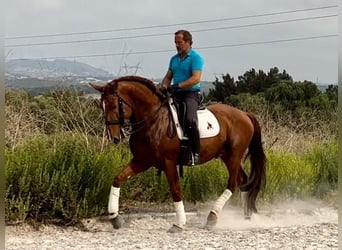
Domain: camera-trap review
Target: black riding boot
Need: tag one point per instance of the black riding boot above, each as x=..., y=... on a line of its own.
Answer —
x=195, y=144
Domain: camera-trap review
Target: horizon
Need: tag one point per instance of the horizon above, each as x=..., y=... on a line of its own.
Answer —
x=161, y=77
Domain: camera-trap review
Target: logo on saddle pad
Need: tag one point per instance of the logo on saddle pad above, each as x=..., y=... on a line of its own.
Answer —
x=207, y=123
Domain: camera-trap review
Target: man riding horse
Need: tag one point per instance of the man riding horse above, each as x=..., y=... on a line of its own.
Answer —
x=185, y=68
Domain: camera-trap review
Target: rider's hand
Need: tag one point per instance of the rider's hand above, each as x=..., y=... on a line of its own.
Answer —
x=164, y=90
x=173, y=89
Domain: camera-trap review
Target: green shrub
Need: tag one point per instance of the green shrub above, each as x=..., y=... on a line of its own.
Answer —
x=57, y=177
x=204, y=182
x=324, y=159
x=146, y=187
x=288, y=176
x=67, y=177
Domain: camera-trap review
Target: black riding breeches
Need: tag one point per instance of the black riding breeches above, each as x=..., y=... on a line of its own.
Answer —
x=192, y=101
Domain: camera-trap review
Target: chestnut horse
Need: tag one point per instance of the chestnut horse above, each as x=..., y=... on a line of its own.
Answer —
x=137, y=102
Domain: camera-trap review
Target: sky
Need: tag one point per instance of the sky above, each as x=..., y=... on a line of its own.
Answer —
x=137, y=37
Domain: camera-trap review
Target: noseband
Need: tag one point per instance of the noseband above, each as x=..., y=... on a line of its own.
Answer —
x=121, y=120
x=125, y=126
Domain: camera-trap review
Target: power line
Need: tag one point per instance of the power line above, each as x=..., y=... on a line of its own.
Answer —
x=270, y=41
x=168, y=33
x=175, y=24
x=200, y=48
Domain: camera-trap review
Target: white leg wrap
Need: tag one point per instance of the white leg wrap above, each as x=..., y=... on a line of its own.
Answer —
x=113, y=203
x=221, y=201
x=180, y=213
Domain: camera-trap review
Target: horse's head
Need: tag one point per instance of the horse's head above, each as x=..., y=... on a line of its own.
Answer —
x=120, y=96
x=116, y=111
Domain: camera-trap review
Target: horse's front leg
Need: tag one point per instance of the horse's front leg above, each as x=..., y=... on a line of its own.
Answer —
x=128, y=171
x=176, y=192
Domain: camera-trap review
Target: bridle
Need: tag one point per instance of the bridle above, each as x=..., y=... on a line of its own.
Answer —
x=126, y=127
x=121, y=120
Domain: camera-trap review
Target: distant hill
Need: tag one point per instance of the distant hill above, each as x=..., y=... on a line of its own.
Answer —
x=58, y=68
x=38, y=76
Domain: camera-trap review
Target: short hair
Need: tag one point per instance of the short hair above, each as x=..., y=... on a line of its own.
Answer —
x=186, y=35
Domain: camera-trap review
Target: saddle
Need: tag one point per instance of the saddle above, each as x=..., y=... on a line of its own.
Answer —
x=208, y=126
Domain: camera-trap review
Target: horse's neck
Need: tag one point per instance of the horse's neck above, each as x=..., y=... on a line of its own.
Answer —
x=144, y=104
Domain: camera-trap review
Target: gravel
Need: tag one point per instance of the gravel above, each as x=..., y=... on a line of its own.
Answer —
x=295, y=225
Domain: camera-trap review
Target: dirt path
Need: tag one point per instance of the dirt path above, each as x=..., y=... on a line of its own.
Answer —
x=295, y=225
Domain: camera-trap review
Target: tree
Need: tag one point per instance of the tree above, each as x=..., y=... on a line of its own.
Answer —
x=332, y=92
x=256, y=82
x=309, y=90
x=247, y=82
x=288, y=94
x=223, y=89
x=274, y=77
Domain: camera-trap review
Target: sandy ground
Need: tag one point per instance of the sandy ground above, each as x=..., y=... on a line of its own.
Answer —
x=289, y=225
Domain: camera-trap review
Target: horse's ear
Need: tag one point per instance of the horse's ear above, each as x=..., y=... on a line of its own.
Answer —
x=97, y=87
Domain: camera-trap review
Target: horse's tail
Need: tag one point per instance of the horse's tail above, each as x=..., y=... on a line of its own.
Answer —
x=257, y=179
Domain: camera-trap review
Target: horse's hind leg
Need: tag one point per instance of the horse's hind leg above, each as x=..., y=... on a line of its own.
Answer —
x=244, y=192
x=232, y=163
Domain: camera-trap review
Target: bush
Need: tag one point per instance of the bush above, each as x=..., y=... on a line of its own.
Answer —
x=288, y=176
x=62, y=178
x=324, y=160
x=57, y=177
x=67, y=175
x=205, y=182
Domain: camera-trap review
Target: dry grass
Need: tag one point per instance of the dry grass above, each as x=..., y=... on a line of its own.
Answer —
x=297, y=137
x=20, y=124
x=64, y=112
x=78, y=115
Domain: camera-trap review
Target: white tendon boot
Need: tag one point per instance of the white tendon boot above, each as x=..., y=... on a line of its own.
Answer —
x=221, y=201
x=180, y=214
x=113, y=203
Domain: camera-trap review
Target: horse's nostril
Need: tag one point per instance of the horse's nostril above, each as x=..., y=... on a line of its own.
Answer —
x=116, y=140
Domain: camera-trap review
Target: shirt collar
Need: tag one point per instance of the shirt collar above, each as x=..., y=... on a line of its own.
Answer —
x=188, y=54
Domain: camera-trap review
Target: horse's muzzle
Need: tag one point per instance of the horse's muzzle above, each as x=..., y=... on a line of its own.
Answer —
x=116, y=139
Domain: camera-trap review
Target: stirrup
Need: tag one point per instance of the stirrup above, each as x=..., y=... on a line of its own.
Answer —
x=192, y=160
x=195, y=159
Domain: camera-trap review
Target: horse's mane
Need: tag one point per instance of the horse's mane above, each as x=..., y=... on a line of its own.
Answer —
x=144, y=81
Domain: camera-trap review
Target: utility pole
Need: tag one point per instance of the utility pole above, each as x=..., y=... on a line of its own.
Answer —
x=130, y=69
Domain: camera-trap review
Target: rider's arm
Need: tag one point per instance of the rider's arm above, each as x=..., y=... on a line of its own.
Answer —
x=166, y=82
x=194, y=79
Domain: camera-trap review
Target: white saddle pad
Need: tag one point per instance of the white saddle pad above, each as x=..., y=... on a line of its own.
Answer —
x=207, y=122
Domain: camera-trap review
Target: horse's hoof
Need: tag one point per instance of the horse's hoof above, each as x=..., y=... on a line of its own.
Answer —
x=247, y=217
x=175, y=229
x=117, y=222
x=211, y=220
x=247, y=214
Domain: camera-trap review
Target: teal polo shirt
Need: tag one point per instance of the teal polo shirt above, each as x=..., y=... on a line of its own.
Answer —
x=182, y=68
